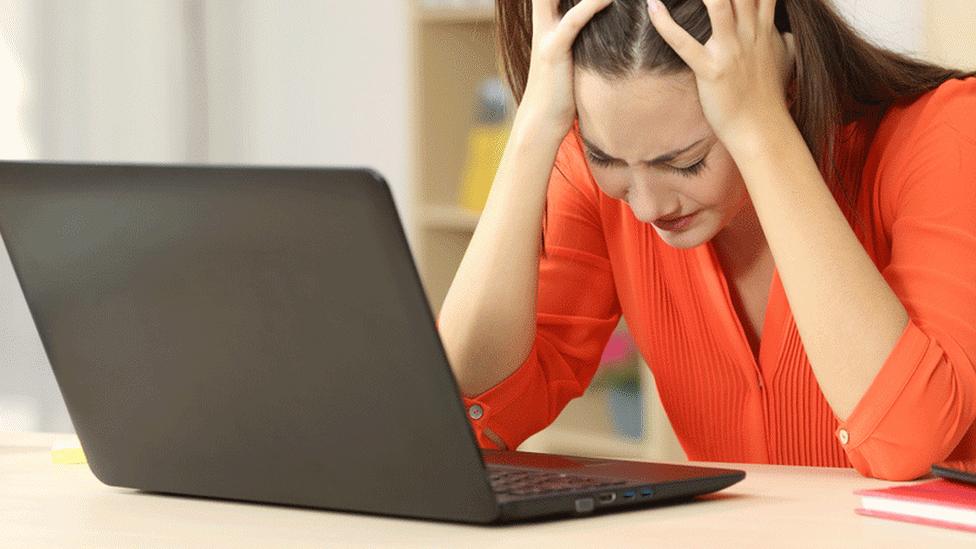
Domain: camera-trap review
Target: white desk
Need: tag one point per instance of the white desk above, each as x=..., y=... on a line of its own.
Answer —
x=43, y=504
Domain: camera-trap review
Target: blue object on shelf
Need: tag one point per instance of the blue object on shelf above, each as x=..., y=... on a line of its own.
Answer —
x=627, y=410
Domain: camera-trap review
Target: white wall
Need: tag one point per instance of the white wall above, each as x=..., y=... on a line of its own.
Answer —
x=951, y=32
x=896, y=24
x=107, y=79
x=311, y=82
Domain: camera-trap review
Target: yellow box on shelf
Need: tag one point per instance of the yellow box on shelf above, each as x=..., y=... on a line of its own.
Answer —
x=485, y=147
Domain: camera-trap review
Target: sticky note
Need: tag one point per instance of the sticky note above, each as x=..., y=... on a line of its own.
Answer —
x=67, y=451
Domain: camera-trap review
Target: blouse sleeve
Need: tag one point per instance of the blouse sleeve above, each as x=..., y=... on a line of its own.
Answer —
x=576, y=312
x=923, y=401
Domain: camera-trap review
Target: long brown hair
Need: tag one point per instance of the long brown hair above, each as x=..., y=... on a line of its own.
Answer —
x=840, y=77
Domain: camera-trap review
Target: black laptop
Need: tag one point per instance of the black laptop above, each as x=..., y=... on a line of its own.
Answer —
x=261, y=334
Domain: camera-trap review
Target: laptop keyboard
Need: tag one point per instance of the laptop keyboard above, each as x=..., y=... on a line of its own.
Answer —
x=530, y=482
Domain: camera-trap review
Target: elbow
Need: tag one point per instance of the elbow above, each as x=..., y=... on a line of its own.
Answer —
x=901, y=458
x=923, y=412
x=894, y=468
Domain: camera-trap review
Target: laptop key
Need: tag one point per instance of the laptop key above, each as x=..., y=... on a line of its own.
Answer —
x=530, y=482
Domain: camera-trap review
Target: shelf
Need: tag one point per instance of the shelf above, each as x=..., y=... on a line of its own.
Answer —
x=457, y=15
x=454, y=218
x=455, y=50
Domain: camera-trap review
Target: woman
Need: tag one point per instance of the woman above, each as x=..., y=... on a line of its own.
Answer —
x=784, y=213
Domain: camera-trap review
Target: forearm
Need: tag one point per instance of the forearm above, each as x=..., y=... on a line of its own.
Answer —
x=487, y=321
x=846, y=313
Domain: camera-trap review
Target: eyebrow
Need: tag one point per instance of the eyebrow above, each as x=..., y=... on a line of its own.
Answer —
x=666, y=157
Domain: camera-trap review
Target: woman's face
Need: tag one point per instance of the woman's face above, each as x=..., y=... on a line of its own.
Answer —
x=647, y=143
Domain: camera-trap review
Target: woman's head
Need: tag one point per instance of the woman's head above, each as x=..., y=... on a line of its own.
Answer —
x=645, y=135
x=647, y=143
x=637, y=101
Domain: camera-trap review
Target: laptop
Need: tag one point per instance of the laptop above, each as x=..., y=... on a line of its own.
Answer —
x=261, y=334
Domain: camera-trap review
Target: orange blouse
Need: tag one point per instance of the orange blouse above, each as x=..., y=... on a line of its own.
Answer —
x=917, y=208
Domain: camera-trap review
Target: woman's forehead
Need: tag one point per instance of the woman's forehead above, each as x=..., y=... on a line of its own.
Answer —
x=639, y=116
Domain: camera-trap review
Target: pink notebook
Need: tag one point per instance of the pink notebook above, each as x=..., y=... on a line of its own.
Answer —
x=937, y=503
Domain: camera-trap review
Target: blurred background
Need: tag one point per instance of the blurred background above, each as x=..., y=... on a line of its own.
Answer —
x=408, y=87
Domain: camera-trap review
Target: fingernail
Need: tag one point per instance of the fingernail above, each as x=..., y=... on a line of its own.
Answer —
x=654, y=5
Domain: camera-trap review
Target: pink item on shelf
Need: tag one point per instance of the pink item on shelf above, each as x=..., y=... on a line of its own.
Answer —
x=620, y=346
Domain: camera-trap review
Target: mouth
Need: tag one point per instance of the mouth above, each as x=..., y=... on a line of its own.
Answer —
x=675, y=224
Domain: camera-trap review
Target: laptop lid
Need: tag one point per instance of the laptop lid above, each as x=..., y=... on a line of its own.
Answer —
x=246, y=333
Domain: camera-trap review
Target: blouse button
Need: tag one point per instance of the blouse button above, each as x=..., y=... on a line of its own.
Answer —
x=475, y=411
x=843, y=436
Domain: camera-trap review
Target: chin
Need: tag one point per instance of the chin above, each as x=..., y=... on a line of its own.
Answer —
x=690, y=238
x=684, y=240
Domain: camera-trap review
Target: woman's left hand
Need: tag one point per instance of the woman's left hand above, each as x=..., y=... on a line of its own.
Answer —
x=744, y=68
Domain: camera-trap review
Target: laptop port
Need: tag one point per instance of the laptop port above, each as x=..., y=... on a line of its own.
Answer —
x=645, y=492
x=607, y=498
x=629, y=494
x=584, y=505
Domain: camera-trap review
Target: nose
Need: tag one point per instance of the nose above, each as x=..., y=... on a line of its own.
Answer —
x=649, y=201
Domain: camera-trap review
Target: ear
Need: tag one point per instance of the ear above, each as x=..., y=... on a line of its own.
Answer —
x=790, y=41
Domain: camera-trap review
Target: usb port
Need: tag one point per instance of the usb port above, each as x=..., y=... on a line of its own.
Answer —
x=629, y=494
x=645, y=492
x=607, y=498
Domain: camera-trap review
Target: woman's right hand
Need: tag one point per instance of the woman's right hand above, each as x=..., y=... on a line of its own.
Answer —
x=549, y=88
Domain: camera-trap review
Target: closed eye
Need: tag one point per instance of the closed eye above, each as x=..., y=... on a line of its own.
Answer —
x=599, y=160
x=690, y=171
x=686, y=171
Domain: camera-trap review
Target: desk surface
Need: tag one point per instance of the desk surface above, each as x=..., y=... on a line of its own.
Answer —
x=58, y=505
